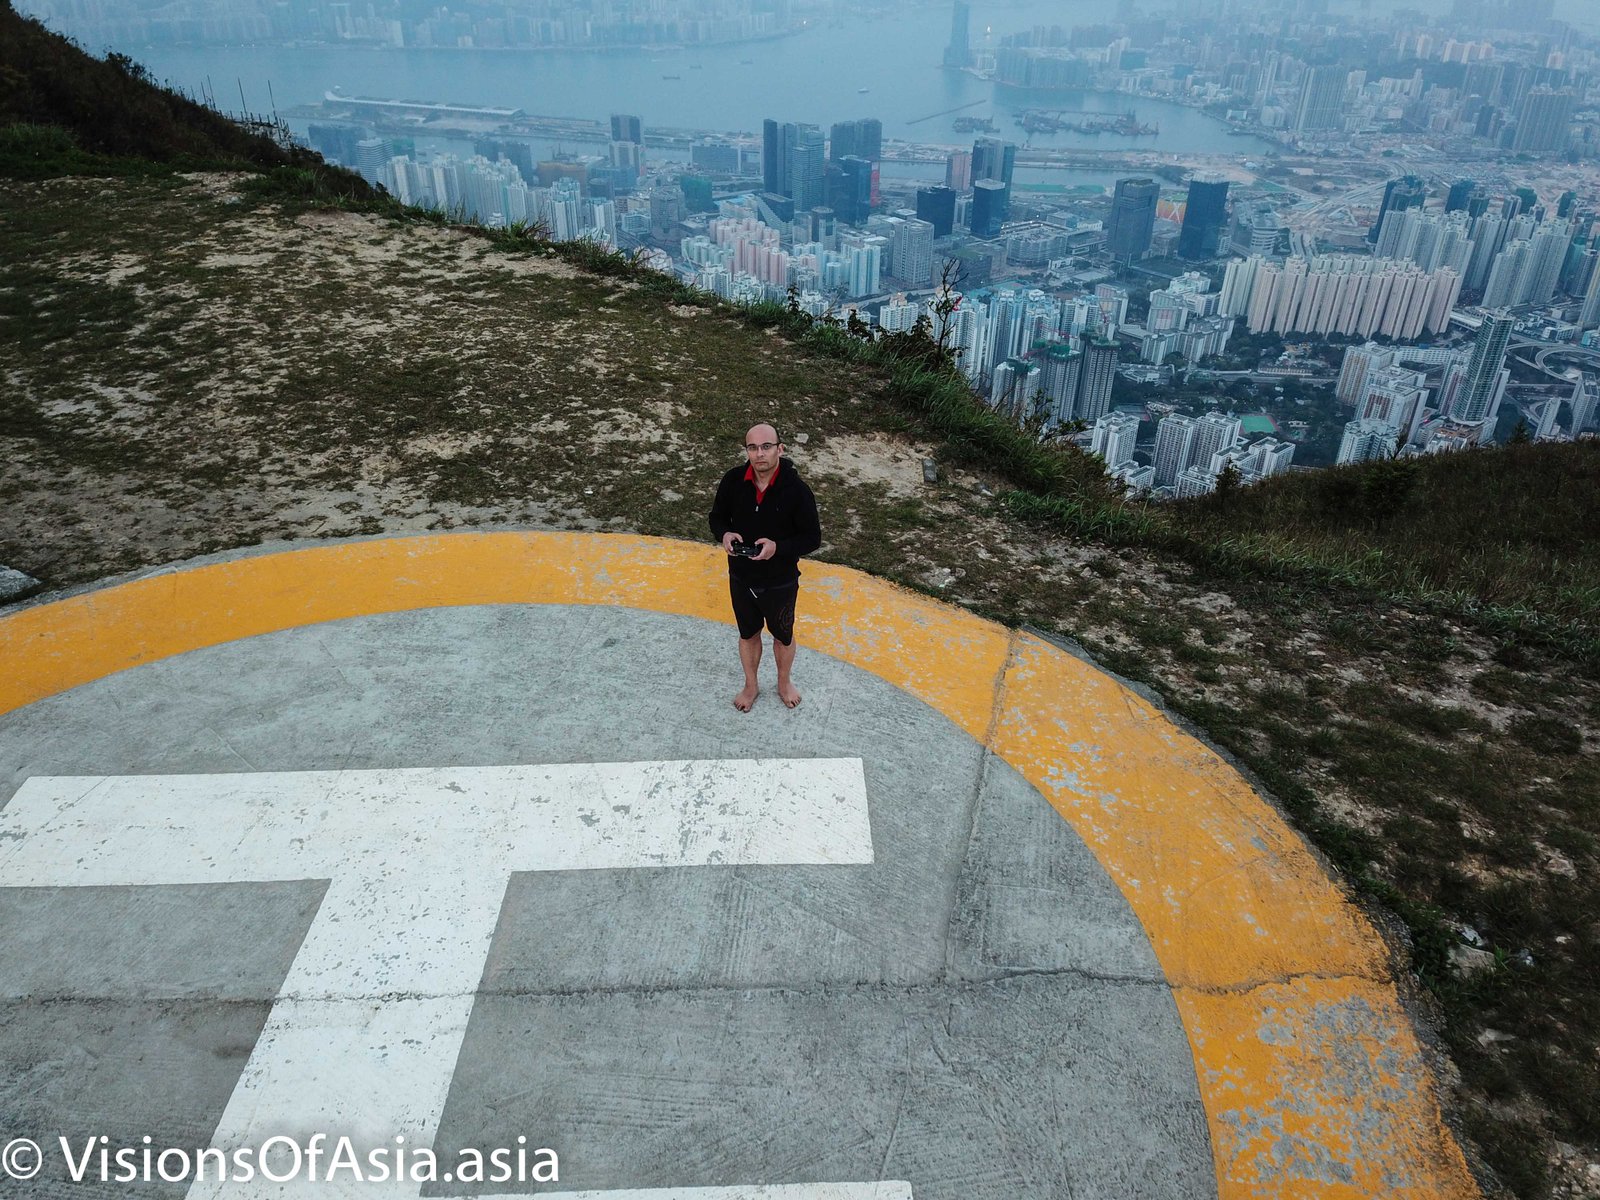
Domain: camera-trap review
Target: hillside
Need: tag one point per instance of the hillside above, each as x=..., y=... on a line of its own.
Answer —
x=1410, y=669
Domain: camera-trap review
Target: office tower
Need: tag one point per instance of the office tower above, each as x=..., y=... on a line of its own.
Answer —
x=1133, y=218
x=1460, y=194
x=1174, y=444
x=1063, y=366
x=1565, y=205
x=1544, y=120
x=937, y=206
x=820, y=224
x=993, y=158
x=1205, y=217
x=863, y=138
x=627, y=129
x=1486, y=374
x=1366, y=440
x=805, y=177
x=991, y=203
x=1114, y=437
x=850, y=189
x=958, y=171
x=777, y=145
x=1095, y=378
x=1398, y=195
x=1321, y=103
x=626, y=152
x=958, y=53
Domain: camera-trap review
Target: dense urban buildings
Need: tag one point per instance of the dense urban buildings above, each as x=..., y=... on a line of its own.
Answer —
x=1404, y=179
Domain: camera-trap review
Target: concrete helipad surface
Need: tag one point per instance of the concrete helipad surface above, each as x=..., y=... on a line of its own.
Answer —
x=458, y=840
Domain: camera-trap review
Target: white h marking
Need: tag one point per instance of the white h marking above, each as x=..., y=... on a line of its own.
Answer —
x=363, y=1039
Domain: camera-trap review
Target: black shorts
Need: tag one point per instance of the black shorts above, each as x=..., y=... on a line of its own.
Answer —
x=773, y=605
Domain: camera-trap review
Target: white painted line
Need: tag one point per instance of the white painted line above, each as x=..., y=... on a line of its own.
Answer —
x=363, y=1039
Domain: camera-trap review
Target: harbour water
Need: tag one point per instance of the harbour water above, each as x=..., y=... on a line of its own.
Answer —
x=817, y=75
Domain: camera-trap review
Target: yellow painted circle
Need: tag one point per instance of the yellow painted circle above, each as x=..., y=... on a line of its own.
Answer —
x=1311, y=1075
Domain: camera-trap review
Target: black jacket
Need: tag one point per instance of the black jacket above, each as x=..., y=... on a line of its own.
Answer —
x=787, y=514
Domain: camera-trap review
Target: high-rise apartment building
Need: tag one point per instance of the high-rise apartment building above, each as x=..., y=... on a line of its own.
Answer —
x=1095, y=380
x=1063, y=368
x=1544, y=120
x=1321, y=102
x=1409, y=191
x=912, y=251
x=1486, y=379
x=1205, y=217
x=1114, y=437
x=1214, y=433
x=1133, y=218
x=1344, y=294
x=1365, y=440
x=1430, y=239
x=1589, y=315
x=1174, y=448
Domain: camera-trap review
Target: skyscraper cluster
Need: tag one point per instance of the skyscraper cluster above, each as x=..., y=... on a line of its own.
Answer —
x=1191, y=452
x=494, y=194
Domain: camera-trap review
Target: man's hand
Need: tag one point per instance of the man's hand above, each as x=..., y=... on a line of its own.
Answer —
x=768, y=549
x=729, y=539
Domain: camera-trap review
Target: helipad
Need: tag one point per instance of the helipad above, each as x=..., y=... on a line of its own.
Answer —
x=458, y=840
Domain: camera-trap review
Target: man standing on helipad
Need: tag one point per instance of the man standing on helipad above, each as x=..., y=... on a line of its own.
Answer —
x=766, y=518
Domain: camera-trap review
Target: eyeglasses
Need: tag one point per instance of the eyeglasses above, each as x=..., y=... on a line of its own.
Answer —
x=763, y=447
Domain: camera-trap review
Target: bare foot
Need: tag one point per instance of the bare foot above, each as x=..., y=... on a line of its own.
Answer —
x=746, y=699
x=789, y=694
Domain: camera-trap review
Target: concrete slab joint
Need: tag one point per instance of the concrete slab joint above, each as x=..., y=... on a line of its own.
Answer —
x=457, y=838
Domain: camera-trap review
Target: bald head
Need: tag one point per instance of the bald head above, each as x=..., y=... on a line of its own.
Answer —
x=762, y=448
